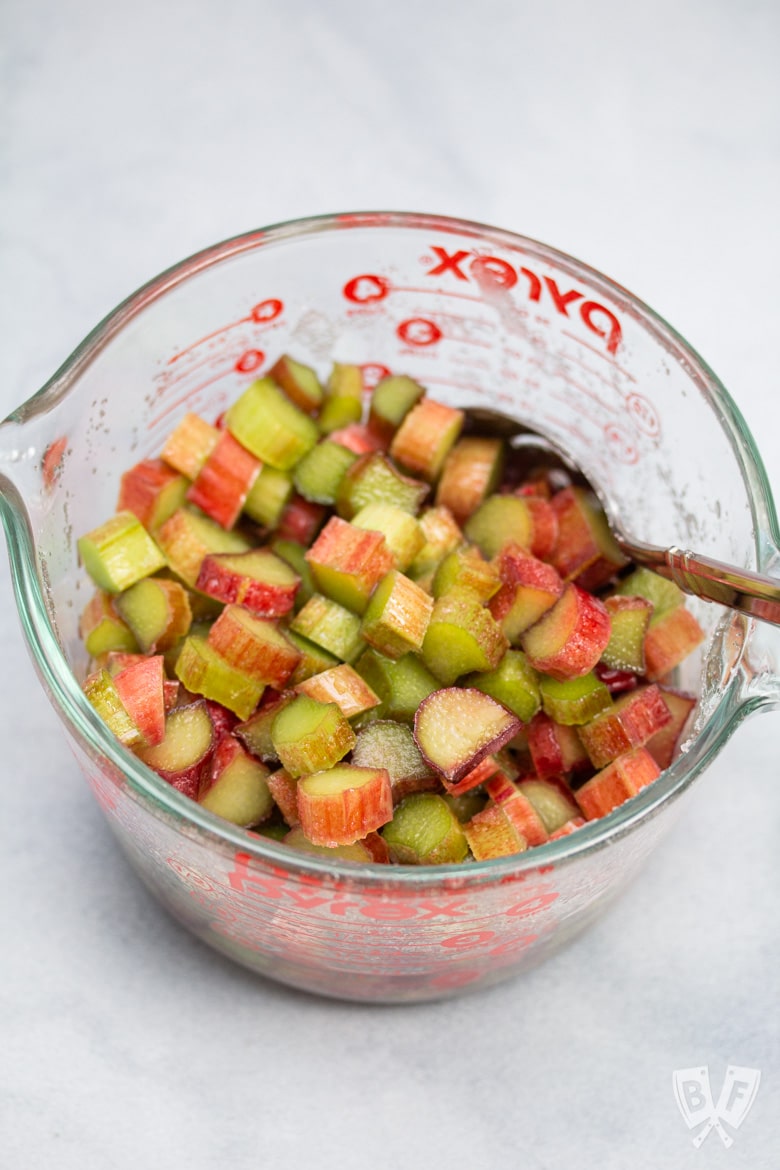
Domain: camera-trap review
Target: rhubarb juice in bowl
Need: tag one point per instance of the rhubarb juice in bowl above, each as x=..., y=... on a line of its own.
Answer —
x=488, y=322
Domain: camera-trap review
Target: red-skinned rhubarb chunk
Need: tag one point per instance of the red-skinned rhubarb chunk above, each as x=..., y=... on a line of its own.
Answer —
x=475, y=778
x=425, y=831
x=104, y=697
x=310, y=736
x=553, y=800
x=471, y=471
x=184, y=756
x=257, y=579
x=358, y=439
x=299, y=382
x=391, y=401
x=517, y=807
x=188, y=446
x=343, y=686
x=663, y=744
x=571, y=637
x=585, y=549
x=300, y=520
x=628, y=723
x=343, y=804
x=254, y=645
x=237, y=787
x=617, y=783
x=140, y=687
x=669, y=640
x=205, y=672
x=284, y=789
x=425, y=437
x=224, y=481
x=544, y=532
x=347, y=563
x=152, y=491
x=555, y=750
x=187, y=538
x=457, y=727
x=529, y=588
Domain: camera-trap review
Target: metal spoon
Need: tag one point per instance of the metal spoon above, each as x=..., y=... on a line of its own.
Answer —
x=740, y=589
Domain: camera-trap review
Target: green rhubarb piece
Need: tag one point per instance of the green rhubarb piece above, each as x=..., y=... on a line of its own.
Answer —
x=329, y=626
x=274, y=832
x=630, y=618
x=189, y=536
x=401, y=685
x=343, y=402
x=313, y=659
x=119, y=553
x=663, y=594
x=442, y=535
x=391, y=401
x=103, y=629
x=466, y=568
x=462, y=636
x=552, y=806
x=318, y=475
x=373, y=479
x=157, y=611
x=240, y=793
x=514, y=683
x=390, y=745
x=310, y=736
x=295, y=555
x=268, y=496
x=467, y=804
x=347, y=563
x=574, y=701
x=255, y=732
x=269, y=425
x=104, y=697
x=297, y=839
x=499, y=520
x=402, y=533
x=397, y=616
x=203, y=671
x=425, y=831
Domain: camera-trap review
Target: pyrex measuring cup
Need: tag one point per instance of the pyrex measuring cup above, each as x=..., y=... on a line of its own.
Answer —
x=484, y=319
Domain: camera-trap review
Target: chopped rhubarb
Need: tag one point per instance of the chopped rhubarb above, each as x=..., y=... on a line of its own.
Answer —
x=373, y=479
x=544, y=532
x=140, y=687
x=343, y=686
x=224, y=481
x=663, y=745
x=184, y=756
x=299, y=382
x=119, y=553
x=257, y=579
x=103, y=629
x=348, y=563
x=585, y=549
x=268, y=497
x=254, y=645
x=518, y=808
x=343, y=403
x=189, y=445
x=442, y=535
x=574, y=701
x=471, y=471
x=514, y=683
x=491, y=834
x=628, y=723
x=300, y=520
x=629, y=617
x=391, y=401
x=554, y=802
x=461, y=637
x=401, y=685
x=571, y=637
x=203, y=671
x=425, y=831
x=670, y=638
x=152, y=491
x=619, y=781
x=309, y=736
x=104, y=697
x=425, y=437
x=158, y=612
x=268, y=424
x=319, y=474
x=284, y=789
x=403, y=535
x=343, y=804
x=188, y=537
x=397, y=616
x=329, y=626
x=529, y=588
x=457, y=727
x=237, y=788
x=500, y=520
x=466, y=568
x=255, y=732
x=556, y=750
x=390, y=745
x=357, y=851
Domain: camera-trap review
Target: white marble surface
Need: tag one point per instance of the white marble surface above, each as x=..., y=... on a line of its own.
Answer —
x=643, y=139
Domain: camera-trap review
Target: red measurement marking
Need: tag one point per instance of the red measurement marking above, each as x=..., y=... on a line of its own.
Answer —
x=448, y=262
x=492, y=272
x=419, y=331
x=366, y=289
x=266, y=310
x=207, y=337
x=251, y=359
x=373, y=373
x=51, y=463
x=620, y=445
x=603, y=356
x=644, y=414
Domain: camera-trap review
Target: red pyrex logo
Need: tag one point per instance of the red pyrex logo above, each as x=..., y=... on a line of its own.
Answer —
x=492, y=271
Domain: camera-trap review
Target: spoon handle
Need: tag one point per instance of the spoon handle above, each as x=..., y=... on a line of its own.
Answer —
x=750, y=593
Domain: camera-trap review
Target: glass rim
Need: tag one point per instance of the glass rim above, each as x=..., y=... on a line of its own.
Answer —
x=75, y=710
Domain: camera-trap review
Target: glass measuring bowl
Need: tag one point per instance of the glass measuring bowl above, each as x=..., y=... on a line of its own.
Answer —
x=484, y=319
